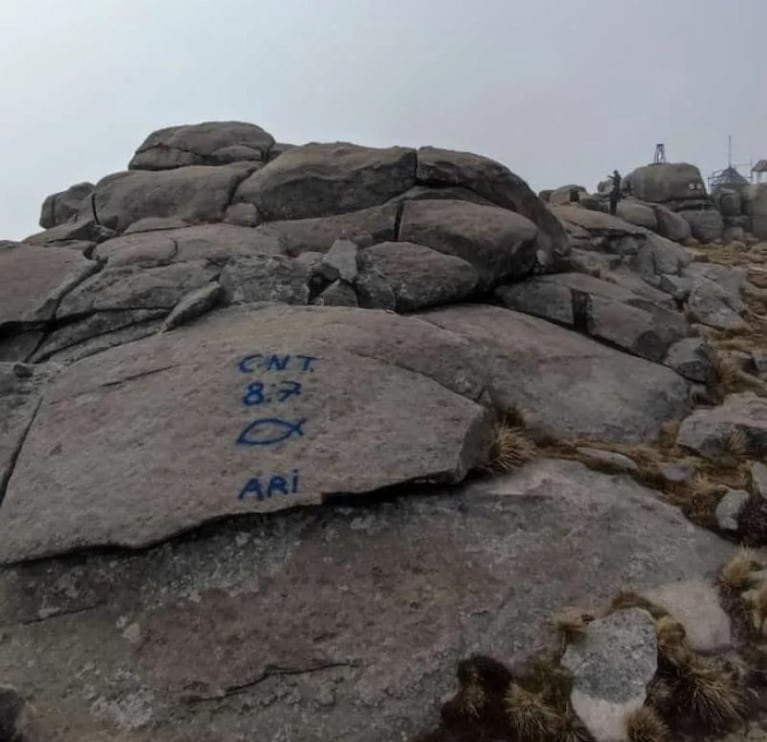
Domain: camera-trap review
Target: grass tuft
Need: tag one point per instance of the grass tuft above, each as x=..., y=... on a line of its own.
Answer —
x=629, y=599
x=644, y=725
x=528, y=715
x=512, y=447
x=711, y=694
x=736, y=575
x=737, y=443
x=568, y=727
x=727, y=371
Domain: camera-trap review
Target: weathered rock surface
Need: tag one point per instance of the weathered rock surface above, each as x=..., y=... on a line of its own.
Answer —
x=341, y=623
x=209, y=143
x=658, y=257
x=19, y=346
x=340, y=261
x=696, y=605
x=324, y=179
x=677, y=472
x=64, y=235
x=672, y=226
x=563, y=194
x=499, y=243
x=77, y=332
x=66, y=205
x=565, y=384
x=666, y=182
x=595, y=221
x=410, y=271
x=195, y=194
x=611, y=667
x=616, y=461
x=715, y=295
x=637, y=213
x=338, y=294
x=693, y=358
x=729, y=509
x=495, y=182
x=706, y=224
x=318, y=235
x=709, y=431
x=20, y=391
x=158, y=420
x=193, y=305
x=242, y=215
x=132, y=287
x=213, y=242
x=452, y=193
x=604, y=310
x=260, y=278
x=34, y=279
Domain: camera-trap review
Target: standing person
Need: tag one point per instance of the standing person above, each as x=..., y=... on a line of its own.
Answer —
x=615, y=193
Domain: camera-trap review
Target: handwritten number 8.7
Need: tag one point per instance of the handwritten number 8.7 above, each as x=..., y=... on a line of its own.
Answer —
x=255, y=394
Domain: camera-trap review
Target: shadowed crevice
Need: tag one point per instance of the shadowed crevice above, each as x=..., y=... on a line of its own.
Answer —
x=6, y=478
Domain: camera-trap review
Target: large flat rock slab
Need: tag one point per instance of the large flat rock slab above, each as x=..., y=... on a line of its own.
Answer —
x=596, y=222
x=604, y=310
x=247, y=411
x=420, y=277
x=499, y=243
x=337, y=623
x=34, y=279
x=377, y=224
x=565, y=384
x=64, y=206
x=214, y=242
x=195, y=194
x=131, y=287
x=332, y=178
x=488, y=179
x=208, y=143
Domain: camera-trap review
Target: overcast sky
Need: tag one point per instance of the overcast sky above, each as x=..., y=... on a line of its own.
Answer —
x=559, y=90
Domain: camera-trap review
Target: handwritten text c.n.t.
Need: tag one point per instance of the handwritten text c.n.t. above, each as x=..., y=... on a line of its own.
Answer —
x=259, y=362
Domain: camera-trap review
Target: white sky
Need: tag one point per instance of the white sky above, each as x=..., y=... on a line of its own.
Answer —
x=559, y=90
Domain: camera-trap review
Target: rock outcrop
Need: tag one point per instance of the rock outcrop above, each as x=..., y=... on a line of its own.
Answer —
x=337, y=623
x=313, y=416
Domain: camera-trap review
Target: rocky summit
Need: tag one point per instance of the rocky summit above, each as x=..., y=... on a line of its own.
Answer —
x=335, y=442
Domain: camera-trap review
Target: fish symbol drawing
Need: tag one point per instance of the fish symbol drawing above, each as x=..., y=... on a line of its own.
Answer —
x=268, y=431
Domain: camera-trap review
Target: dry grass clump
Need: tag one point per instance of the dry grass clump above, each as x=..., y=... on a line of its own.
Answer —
x=710, y=694
x=727, y=372
x=629, y=599
x=692, y=690
x=700, y=498
x=752, y=521
x=669, y=430
x=529, y=717
x=737, y=573
x=532, y=705
x=644, y=725
x=737, y=443
x=512, y=447
x=569, y=728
